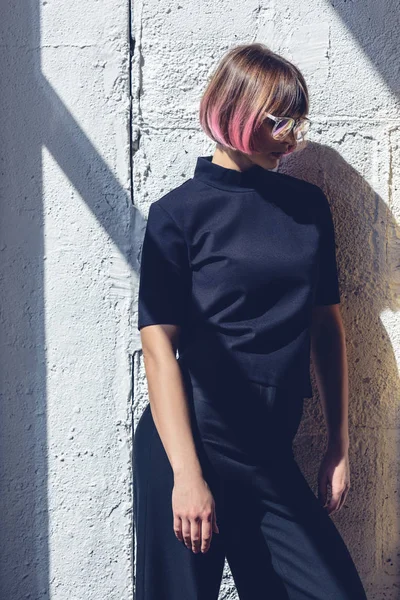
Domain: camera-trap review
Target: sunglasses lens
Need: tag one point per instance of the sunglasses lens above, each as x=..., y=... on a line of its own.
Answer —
x=301, y=129
x=283, y=128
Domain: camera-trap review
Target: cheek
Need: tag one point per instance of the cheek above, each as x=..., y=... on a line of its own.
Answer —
x=264, y=140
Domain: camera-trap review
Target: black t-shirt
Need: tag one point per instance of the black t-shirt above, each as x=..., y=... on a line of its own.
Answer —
x=238, y=259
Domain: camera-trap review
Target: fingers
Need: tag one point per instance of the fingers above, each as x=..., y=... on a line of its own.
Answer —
x=186, y=533
x=195, y=530
x=206, y=533
x=196, y=533
x=333, y=503
x=337, y=499
x=342, y=499
x=177, y=526
x=214, y=521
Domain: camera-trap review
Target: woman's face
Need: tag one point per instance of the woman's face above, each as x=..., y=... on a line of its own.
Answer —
x=270, y=149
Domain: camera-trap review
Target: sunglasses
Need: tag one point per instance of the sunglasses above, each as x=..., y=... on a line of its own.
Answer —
x=284, y=125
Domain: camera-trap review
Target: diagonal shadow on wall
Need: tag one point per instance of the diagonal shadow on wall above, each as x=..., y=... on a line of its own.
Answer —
x=32, y=116
x=375, y=25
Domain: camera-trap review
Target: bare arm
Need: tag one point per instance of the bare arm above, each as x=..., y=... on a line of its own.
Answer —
x=192, y=501
x=328, y=353
x=167, y=397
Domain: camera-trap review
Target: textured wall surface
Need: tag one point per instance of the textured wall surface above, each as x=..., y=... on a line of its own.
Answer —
x=66, y=295
x=348, y=52
x=75, y=116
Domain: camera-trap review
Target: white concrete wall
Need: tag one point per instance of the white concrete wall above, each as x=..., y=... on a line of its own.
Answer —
x=70, y=240
x=66, y=296
x=349, y=55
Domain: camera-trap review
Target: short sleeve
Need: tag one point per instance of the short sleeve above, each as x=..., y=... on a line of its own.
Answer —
x=327, y=287
x=164, y=271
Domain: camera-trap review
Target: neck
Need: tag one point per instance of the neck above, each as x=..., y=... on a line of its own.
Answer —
x=231, y=159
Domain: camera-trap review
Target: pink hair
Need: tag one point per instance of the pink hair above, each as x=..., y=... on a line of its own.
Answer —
x=250, y=80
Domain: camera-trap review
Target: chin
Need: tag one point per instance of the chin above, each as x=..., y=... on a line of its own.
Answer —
x=272, y=161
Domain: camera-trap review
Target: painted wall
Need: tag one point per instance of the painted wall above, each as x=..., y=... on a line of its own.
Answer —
x=94, y=127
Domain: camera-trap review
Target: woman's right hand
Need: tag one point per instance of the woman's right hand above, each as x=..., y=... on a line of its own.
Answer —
x=194, y=512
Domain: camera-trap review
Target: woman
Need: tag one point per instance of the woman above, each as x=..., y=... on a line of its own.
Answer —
x=238, y=273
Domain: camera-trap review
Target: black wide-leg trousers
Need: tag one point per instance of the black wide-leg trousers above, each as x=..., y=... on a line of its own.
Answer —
x=280, y=543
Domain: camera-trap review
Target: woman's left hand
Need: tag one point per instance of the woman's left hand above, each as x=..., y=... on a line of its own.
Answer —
x=335, y=472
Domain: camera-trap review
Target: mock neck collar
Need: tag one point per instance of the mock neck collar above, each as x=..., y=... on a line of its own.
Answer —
x=229, y=179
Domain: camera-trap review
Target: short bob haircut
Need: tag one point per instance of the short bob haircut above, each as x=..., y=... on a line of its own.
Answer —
x=249, y=81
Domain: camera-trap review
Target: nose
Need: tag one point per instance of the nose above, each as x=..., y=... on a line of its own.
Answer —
x=291, y=139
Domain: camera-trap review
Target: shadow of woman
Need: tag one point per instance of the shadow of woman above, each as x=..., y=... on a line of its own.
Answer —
x=368, y=256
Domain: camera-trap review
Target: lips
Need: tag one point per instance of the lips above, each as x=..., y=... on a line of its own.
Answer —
x=279, y=154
